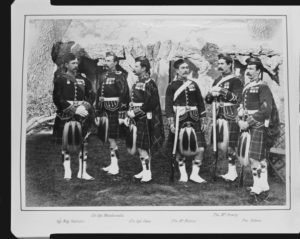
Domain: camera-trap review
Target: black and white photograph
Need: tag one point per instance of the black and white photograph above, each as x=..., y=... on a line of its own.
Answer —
x=146, y=112
x=165, y=111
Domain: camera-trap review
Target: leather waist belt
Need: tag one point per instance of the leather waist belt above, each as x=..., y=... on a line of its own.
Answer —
x=226, y=104
x=111, y=98
x=250, y=112
x=75, y=102
x=181, y=110
x=133, y=104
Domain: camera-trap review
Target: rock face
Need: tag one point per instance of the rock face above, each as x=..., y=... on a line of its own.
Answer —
x=40, y=68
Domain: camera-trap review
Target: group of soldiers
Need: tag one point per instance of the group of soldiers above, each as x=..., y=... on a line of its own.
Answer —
x=136, y=114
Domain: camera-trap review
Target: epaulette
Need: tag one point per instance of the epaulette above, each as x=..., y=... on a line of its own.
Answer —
x=84, y=75
x=118, y=72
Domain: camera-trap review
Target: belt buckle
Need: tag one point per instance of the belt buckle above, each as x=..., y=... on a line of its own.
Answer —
x=188, y=107
x=131, y=104
x=101, y=98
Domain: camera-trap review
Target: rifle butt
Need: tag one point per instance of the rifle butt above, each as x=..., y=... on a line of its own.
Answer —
x=215, y=165
x=172, y=168
x=241, y=183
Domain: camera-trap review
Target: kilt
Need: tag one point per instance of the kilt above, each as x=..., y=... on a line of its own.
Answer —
x=60, y=123
x=234, y=132
x=143, y=139
x=113, y=124
x=196, y=125
x=258, y=147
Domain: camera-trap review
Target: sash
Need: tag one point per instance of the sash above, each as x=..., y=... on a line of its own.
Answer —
x=181, y=88
x=225, y=79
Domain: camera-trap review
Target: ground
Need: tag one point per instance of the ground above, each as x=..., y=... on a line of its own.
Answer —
x=45, y=186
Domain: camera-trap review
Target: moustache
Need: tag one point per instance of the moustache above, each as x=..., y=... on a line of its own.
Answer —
x=248, y=74
x=220, y=69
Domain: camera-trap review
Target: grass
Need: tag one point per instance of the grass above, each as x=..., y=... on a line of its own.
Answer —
x=45, y=186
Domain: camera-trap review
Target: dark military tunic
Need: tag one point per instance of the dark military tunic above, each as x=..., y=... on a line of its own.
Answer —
x=228, y=101
x=257, y=103
x=73, y=89
x=191, y=97
x=112, y=97
x=148, y=117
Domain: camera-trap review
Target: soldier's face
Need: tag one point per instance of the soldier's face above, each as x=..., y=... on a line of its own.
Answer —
x=223, y=67
x=72, y=66
x=183, y=70
x=252, y=73
x=109, y=62
x=138, y=70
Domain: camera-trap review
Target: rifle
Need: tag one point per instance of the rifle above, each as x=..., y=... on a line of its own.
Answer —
x=215, y=150
x=173, y=159
x=241, y=182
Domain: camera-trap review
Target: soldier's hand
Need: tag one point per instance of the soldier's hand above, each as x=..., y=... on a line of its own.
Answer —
x=243, y=125
x=240, y=123
x=130, y=113
x=246, y=125
x=203, y=125
x=81, y=111
x=172, y=128
x=97, y=121
x=240, y=111
x=126, y=121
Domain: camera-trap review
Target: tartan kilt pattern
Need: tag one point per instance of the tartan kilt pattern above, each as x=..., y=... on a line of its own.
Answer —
x=234, y=132
x=257, y=148
x=143, y=140
x=113, y=124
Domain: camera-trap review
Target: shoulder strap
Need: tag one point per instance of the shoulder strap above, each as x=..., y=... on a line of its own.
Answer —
x=226, y=78
x=181, y=88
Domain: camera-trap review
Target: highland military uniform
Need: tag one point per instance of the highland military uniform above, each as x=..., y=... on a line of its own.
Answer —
x=228, y=102
x=185, y=110
x=112, y=97
x=147, y=133
x=146, y=107
x=257, y=106
x=228, y=130
x=69, y=93
x=257, y=109
x=111, y=105
x=191, y=98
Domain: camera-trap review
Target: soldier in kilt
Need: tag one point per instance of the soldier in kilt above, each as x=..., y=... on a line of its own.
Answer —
x=255, y=113
x=145, y=111
x=73, y=97
x=111, y=101
x=227, y=91
x=184, y=100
